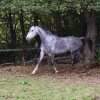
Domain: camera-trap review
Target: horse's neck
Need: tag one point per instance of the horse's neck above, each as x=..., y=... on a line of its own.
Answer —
x=43, y=35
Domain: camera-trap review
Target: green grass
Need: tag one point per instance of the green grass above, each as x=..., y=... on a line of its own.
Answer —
x=33, y=88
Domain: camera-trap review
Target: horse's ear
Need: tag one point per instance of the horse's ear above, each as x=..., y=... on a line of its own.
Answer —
x=33, y=26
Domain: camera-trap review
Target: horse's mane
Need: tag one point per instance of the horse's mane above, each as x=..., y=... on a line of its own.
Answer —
x=45, y=29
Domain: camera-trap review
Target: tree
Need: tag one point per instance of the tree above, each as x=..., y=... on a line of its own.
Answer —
x=24, y=43
x=59, y=16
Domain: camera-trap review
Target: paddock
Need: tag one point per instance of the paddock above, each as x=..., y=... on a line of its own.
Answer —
x=16, y=83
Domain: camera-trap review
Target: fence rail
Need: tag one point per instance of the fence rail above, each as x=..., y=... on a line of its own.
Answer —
x=32, y=55
x=17, y=50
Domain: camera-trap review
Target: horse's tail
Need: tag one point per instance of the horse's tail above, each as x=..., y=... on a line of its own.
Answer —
x=86, y=40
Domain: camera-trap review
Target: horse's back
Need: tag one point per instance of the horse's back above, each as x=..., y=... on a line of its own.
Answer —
x=67, y=44
x=57, y=45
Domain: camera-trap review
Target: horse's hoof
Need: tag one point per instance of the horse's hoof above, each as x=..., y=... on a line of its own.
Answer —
x=33, y=73
x=70, y=70
x=56, y=72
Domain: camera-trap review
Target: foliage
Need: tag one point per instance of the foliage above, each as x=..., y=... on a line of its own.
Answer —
x=97, y=54
x=70, y=11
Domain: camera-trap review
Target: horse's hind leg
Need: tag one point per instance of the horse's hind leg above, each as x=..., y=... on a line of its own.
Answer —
x=73, y=58
x=80, y=55
x=82, y=60
x=39, y=61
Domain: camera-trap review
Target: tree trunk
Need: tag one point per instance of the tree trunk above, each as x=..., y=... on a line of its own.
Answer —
x=12, y=44
x=36, y=23
x=36, y=19
x=12, y=31
x=91, y=33
x=58, y=21
x=24, y=42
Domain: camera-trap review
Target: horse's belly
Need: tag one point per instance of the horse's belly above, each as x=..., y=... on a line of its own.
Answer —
x=61, y=47
x=56, y=50
x=61, y=50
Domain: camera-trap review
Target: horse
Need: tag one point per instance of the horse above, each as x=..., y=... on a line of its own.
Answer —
x=52, y=45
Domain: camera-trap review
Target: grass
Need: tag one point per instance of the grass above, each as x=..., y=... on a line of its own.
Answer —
x=33, y=88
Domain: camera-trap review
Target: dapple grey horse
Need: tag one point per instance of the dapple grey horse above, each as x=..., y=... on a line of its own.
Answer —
x=52, y=44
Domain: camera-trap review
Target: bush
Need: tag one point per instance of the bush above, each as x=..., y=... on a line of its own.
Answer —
x=97, y=54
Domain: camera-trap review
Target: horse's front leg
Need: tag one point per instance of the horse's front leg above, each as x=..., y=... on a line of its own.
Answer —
x=39, y=61
x=53, y=64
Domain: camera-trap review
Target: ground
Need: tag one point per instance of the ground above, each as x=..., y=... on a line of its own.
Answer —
x=17, y=83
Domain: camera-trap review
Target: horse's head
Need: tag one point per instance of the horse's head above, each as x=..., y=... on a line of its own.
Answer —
x=32, y=33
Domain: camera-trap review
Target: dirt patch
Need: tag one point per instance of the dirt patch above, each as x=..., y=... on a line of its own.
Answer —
x=78, y=75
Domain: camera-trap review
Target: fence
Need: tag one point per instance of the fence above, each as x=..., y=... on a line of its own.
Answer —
x=9, y=56
x=6, y=55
